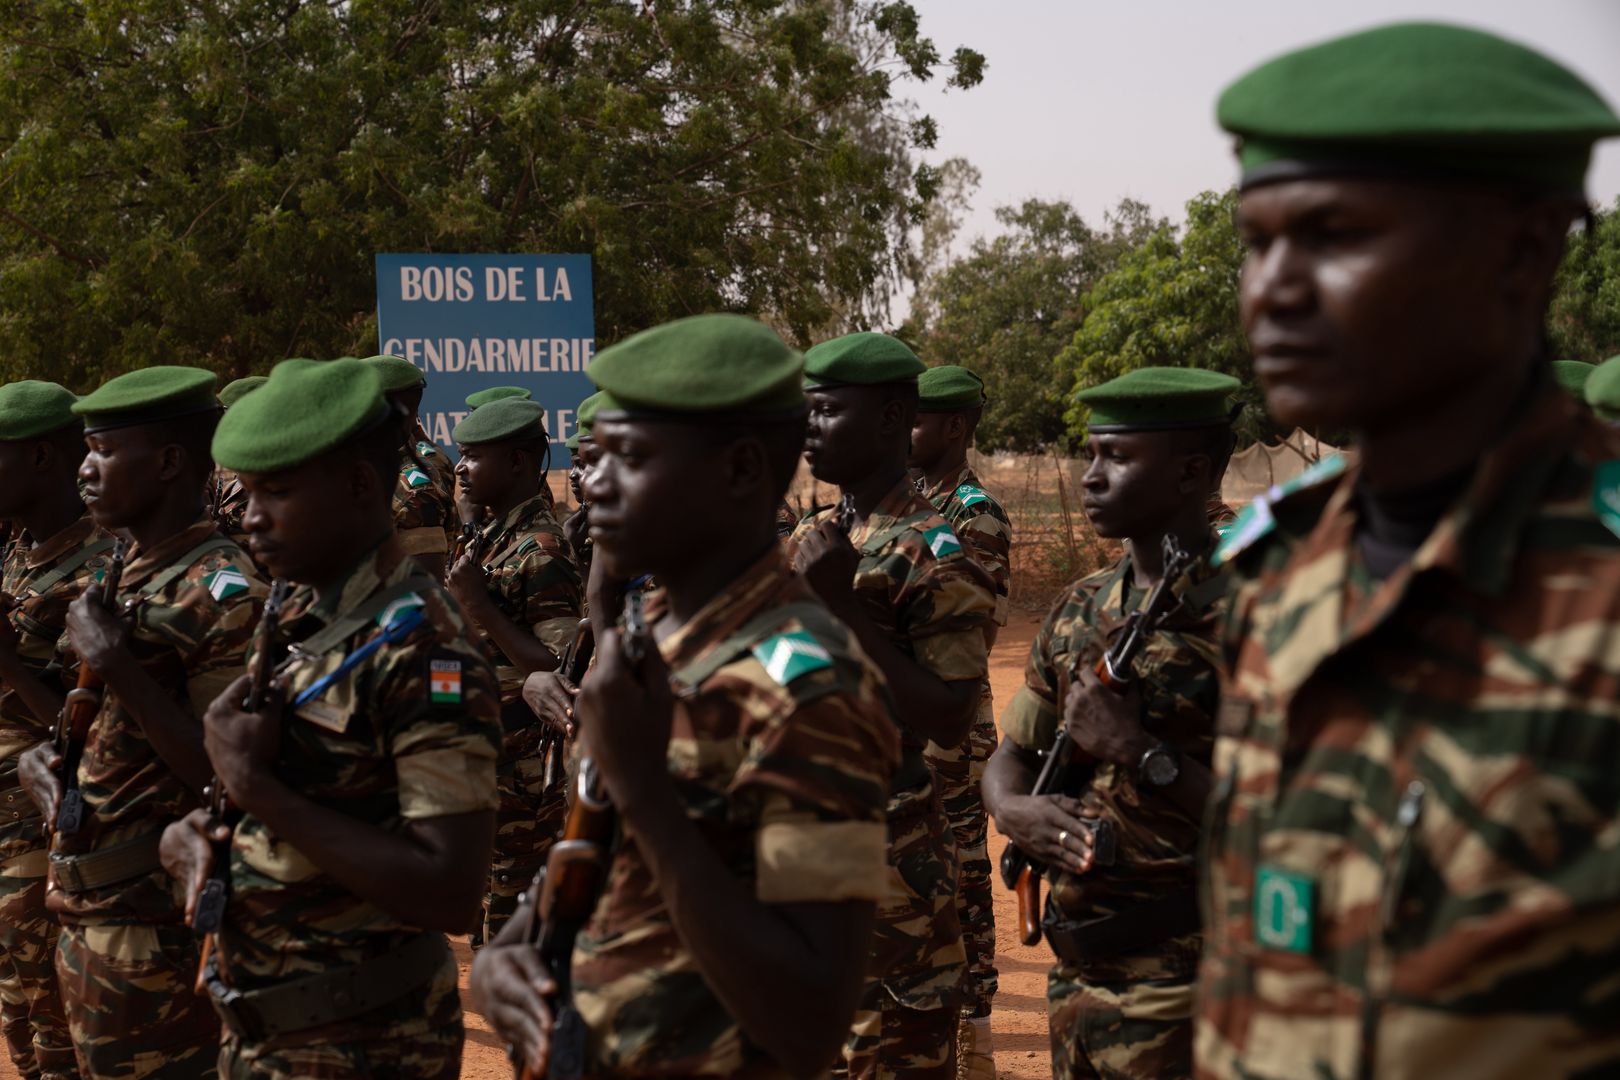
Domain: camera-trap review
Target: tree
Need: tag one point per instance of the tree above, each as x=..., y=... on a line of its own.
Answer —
x=1172, y=301
x=207, y=183
x=1584, y=320
x=1007, y=307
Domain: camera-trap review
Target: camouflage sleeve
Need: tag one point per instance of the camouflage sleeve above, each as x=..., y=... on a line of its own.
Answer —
x=210, y=622
x=424, y=511
x=989, y=540
x=446, y=727
x=818, y=765
x=550, y=595
x=945, y=611
x=1031, y=717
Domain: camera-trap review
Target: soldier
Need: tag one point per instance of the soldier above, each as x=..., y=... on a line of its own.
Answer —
x=922, y=609
x=1125, y=933
x=366, y=781
x=57, y=552
x=1413, y=868
x=520, y=589
x=748, y=756
x=226, y=499
x=178, y=633
x=425, y=512
x=950, y=400
x=466, y=511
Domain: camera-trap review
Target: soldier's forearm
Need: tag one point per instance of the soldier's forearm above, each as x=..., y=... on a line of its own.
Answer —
x=928, y=705
x=1008, y=772
x=527, y=652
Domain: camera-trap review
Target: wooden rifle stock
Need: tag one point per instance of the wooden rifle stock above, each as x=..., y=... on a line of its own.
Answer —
x=1115, y=670
x=209, y=915
x=567, y=890
x=81, y=705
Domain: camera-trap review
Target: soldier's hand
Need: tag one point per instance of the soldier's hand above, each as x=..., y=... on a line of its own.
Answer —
x=242, y=745
x=509, y=985
x=36, y=769
x=1047, y=828
x=625, y=716
x=551, y=698
x=187, y=852
x=1104, y=723
x=466, y=581
x=577, y=528
x=97, y=635
x=827, y=562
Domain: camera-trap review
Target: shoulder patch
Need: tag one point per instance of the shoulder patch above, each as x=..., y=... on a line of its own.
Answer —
x=226, y=582
x=405, y=604
x=426, y=448
x=444, y=679
x=942, y=541
x=416, y=478
x=1256, y=520
x=1328, y=468
x=1606, y=495
x=971, y=495
x=788, y=656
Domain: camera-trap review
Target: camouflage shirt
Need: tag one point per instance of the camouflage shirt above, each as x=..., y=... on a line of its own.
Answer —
x=533, y=580
x=981, y=524
x=424, y=498
x=44, y=578
x=782, y=750
x=1157, y=842
x=227, y=501
x=190, y=618
x=410, y=733
x=1414, y=866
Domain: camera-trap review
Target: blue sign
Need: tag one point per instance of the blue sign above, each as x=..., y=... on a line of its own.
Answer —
x=475, y=321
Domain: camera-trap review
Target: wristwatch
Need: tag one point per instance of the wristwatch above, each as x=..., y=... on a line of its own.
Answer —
x=1160, y=765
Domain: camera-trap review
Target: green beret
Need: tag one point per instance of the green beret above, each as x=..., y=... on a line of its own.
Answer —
x=1417, y=99
x=948, y=388
x=1572, y=375
x=495, y=393
x=395, y=372
x=701, y=364
x=864, y=359
x=31, y=408
x=1603, y=389
x=572, y=442
x=585, y=415
x=507, y=418
x=304, y=409
x=237, y=389
x=1159, y=399
x=163, y=392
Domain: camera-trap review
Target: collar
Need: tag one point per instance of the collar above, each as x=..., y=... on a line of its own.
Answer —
x=52, y=548
x=964, y=475
x=758, y=586
x=143, y=564
x=379, y=568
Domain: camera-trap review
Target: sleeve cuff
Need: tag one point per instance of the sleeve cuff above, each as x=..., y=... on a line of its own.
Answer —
x=1029, y=721
x=958, y=654
x=437, y=783
x=427, y=540
x=801, y=861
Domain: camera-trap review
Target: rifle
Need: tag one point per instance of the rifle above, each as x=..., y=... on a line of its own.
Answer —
x=470, y=541
x=572, y=665
x=567, y=889
x=1116, y=670
x=209, y=914
x=80, y=707
x=844, y=514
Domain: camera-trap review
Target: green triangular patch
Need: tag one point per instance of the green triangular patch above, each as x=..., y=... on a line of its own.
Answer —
x=970, y=495
x=788, y=656
x=416, y=478
x=1253, y=522
x=942, y=541
x=225, y=583
x=425, y=448
x=1606, y=495
x=406, y=603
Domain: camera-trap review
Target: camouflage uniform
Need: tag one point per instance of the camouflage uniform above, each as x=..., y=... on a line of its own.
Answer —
x=227, y=501
x=1124, y=1009
x=533, y=580
x=1413, y=868
x=126, y=958
x=986, y=532
x=410, y=733
x=44, y=578
x=425, y=514
x=782, y=750
x=916, y=582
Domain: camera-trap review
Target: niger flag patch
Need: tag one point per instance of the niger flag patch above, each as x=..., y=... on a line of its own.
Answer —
x=444, y=681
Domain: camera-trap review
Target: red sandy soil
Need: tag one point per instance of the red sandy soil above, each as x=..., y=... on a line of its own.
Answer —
x=1019, y=1020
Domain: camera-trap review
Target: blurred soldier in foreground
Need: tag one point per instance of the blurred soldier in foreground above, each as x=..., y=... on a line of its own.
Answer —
x=1123, y=923
x=1414, y=869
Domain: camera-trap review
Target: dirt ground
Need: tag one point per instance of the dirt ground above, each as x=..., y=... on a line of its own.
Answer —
x=1019, y=1020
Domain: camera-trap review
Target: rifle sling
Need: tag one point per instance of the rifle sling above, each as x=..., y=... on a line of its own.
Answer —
x=160, y=580
x=751, y=633
x=65, y=569
x=345, y=626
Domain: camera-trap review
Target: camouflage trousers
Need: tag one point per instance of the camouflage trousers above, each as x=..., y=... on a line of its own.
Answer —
x=959, y=772
x=131, y=1002
x=906, y=1021
x=35, y=1026
x=527, y=824
x=1120, y=1031
x=424, y=1044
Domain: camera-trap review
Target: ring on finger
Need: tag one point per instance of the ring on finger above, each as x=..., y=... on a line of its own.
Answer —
x=1063, y=839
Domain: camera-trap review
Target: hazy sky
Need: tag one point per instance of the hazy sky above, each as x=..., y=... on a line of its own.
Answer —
x=1092, y=100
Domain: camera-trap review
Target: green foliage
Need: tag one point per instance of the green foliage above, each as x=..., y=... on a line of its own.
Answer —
x=1584, y=320
x=1171, y=301
x=208, y=183
x=1007, y=307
